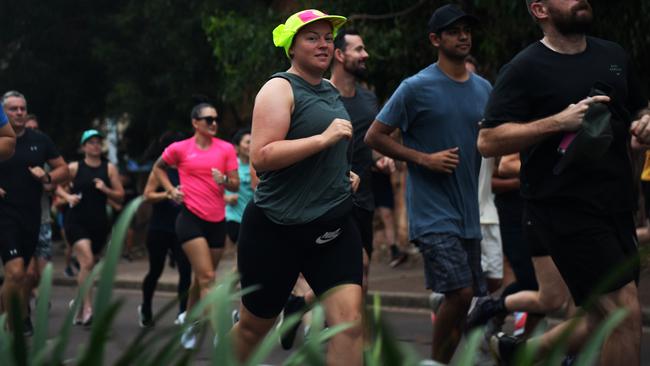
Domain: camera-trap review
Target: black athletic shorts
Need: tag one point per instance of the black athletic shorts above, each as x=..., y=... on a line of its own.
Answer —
x=97, y=233
x=233, y=230
x=189, y=226
x=594, y=254
x=363, y=219
x=270, y=256
x=17, y=240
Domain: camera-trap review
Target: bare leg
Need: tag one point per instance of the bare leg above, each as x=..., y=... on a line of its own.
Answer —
x=248, y=332
x=343, y=305
x=86, y=260
x=450, y=320
x=553, y=295
x=14, y=282
x=200, y=257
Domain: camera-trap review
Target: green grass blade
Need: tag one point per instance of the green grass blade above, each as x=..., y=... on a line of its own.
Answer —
x=272, y=340
x=591, y=351
x=62, y=340
x=468, y=356
x=5, y=343
x=93, y=354
x=19, y=345
x=42, y=309
x=107, y=278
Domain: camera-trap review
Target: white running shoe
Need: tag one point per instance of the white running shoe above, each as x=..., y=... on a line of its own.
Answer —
x=180, y=319
x=188, y=339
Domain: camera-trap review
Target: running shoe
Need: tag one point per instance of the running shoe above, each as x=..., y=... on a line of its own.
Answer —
x=235, y=316
x=180, y=319
x=295, y=304
x=397, y=256
x=28, y=327
x=520, y=323
x=189, y=338
x=485, y=309
x=504, y=347
x=76, y=320
x=68, y=272
x=145, y=317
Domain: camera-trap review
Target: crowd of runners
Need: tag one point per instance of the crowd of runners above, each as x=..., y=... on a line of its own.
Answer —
x=532, y=175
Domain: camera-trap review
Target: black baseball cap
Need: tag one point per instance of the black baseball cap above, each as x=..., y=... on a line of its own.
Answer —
x=447, y=15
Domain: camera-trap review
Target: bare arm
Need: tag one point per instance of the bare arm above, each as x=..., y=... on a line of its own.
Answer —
x=255, y=180
x=509, y=166
x=271, y=120
x=378, y=137
x=115, y=192
x=60, y=172
x=160, y=172
x=7, y=142
x=63, y=190
x=514, y=137
x=151, y=193
x=232, y=184
x=640, y=130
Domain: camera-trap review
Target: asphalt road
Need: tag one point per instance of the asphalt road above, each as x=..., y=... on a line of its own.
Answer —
x=413, y=328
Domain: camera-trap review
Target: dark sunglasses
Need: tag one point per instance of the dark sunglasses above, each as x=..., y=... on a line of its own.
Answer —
x=210, y=120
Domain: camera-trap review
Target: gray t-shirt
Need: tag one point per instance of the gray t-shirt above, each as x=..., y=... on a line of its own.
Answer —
x=308, y=189
x=437, y=113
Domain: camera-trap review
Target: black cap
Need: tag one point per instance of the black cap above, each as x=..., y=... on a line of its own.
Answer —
x=447, y=15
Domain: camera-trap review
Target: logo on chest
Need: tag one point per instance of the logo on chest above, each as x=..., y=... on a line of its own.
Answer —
x=616, y=69
x=33, y=148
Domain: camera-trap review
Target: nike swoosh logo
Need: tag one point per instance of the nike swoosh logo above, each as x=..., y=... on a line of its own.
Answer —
x=328, y=236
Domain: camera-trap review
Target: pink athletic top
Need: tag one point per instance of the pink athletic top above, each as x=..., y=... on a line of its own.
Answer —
x=203, y=196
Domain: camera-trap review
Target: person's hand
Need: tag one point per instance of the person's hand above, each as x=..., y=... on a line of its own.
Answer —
x=355, y=180
x=38, y=173
x=3, y=193
x=385, y=165
x=218, y=176
x=231, y=199
x=571, y=118
x=99, y=184
x=176, y=195
x=444, y=161
x=337, y=130
x=640, y=129
x=73, y=199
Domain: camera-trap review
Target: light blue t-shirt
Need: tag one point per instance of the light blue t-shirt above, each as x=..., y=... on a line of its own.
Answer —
x=234, y=213
x=437, y=113
x=3, y=118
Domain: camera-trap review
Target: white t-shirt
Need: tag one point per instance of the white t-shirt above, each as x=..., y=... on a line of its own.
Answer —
x=487, y=209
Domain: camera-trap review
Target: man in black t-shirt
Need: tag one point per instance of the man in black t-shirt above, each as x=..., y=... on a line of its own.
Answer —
x=583, y=214
x=21, y=185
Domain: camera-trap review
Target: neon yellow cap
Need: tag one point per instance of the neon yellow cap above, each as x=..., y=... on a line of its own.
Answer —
x=283, y=33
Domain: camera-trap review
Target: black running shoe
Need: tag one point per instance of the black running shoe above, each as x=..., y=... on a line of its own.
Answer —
x=504, y=348
x=485, y=309
x=145, y=317
x=295, y=304
x=28, y=328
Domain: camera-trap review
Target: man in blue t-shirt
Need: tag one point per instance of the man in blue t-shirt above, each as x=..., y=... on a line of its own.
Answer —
x=7, y=137
x=437, y=111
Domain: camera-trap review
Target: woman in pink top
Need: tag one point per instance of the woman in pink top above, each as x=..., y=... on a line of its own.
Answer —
x=206, y=166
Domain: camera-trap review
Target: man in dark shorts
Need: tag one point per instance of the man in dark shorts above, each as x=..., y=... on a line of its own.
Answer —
x=437, y=111
x=21, y=185
x=348, y=68
x=582, y=213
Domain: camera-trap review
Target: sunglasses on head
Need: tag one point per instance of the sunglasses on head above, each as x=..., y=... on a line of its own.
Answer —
x=209, y=119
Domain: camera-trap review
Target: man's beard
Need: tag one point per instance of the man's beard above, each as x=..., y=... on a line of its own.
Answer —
x=360, y=73
x=572, y=24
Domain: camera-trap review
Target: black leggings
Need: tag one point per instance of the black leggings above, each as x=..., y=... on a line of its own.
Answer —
x=159, y=243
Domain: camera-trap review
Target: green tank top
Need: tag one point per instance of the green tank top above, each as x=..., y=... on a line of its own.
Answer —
x=308, y=189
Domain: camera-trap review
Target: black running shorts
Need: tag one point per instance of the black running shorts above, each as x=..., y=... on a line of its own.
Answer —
x=96, y=233
x=17, y=240
x=363, y=219
x=189, y=226
x=270, y=257
x=594, y=254
x=232, y=228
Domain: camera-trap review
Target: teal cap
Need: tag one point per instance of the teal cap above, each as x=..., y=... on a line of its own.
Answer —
x=88, y=134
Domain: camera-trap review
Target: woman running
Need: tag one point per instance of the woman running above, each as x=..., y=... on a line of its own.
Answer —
x=206, y=166
x=299, y=221
x=161, y=239
x=94, y=181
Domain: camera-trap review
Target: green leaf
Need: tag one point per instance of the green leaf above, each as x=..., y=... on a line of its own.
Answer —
x=591, y=351
x=42, y=318
x=468, y=356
